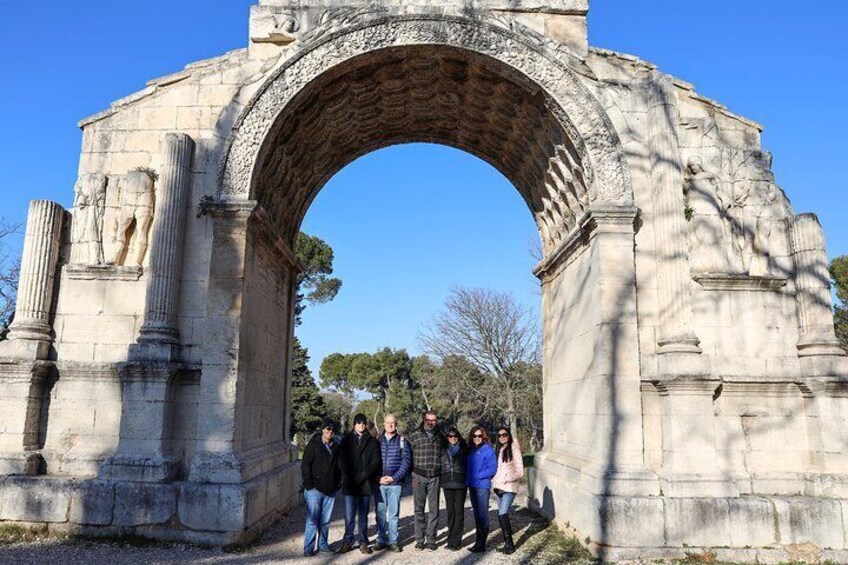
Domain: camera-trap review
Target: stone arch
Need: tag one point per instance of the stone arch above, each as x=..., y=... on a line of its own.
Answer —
x=479, y=67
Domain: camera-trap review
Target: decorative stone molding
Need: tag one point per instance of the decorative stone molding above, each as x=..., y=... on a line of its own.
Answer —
x=587, y=124
x=719, y=281
x=812, y=282
x=31, y=334
x=609, y=216
x=159, y=335
x=102, y=273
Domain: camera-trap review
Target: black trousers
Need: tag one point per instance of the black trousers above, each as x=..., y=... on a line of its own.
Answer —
x=455, y=502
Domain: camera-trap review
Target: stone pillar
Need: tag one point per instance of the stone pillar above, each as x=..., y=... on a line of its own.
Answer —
x=31, y=334
x=224, y=452
x=689, y=439
x=147, y=379
x=144, y=448
x=675, y=333
x=812, y=284
x=159, y=339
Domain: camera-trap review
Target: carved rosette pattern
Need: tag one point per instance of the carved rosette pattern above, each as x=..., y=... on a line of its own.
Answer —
x=596, y=154
x=167, y=240
x=38, y=271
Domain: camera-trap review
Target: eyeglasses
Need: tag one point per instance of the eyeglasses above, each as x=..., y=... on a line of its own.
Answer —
x=452, y=436
x=431, y=421
x=477, y=436
x=503, y=434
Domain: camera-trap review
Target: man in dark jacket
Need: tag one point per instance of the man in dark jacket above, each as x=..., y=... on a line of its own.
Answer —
x=428, y=445
x=360, y=463
x=321, y=479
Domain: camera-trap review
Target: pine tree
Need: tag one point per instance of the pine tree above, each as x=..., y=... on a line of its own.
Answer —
x=308, y=407
x=839, y=272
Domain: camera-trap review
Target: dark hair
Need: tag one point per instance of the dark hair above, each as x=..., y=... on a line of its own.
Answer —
x=454, y=430
x=505, y=449
x=429, y=413
x=474, y=430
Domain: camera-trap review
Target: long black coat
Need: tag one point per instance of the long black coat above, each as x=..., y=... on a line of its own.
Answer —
x=319, y=468
x=360, y=463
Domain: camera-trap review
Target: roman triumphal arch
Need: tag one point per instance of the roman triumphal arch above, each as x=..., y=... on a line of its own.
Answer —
x=694, y=390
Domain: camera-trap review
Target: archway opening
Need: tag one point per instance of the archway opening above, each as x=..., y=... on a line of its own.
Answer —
x=423, y=93
x=409, y=226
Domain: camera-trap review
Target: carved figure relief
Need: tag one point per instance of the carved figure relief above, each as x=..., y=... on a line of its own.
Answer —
x=277, y=28
x=710, y=234
x=732, y=221
x=89, y=210
x=770, y=215
x=132, y=220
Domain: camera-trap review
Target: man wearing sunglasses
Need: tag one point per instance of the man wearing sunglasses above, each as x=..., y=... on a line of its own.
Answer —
x=321, y=481
x=428, y=444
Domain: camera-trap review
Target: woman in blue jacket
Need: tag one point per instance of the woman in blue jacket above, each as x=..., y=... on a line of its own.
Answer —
x=481, y=467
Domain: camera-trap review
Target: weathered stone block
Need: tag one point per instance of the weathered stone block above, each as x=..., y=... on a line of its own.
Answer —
x=217, y=508
x=138, y=504
x=632, y=521
x=700, y=522
x=25, y=499
x=92, y=503
x=809, y=520
x=752, y=522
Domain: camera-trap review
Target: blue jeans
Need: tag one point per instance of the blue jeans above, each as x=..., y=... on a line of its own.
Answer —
x=319, y=510
x=480, y=504
x=505, y=501
x=356, y=505
x=387, y=503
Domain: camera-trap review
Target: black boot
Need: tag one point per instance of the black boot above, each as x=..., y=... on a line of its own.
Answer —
x=479, y=541
x=506, y=529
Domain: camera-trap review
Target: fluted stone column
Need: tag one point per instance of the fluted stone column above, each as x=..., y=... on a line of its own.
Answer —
x=147, y=379
x=31, y=334
x=159, y=337
x=675, y=334
x=812, y=282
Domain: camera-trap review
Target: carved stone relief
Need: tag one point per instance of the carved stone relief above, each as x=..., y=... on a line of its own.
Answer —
x=131, y=220
x=734, y=215
x=708, y=234
x=341, y=37
x=89, y=211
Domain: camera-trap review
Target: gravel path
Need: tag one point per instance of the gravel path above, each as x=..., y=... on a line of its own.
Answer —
x=284, y=543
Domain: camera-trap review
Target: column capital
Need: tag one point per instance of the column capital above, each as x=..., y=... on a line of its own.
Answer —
x=601, y=217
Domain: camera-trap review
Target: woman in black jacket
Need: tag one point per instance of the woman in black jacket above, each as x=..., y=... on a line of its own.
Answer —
x=453, y=483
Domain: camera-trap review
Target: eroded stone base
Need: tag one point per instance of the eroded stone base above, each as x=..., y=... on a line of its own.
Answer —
x=747, y=529
x=180, y=511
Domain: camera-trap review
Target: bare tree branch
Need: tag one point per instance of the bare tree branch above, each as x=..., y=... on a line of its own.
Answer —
x=496, y=335
x=9, y=273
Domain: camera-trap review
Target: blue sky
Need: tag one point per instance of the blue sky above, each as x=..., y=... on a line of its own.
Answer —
x=409, y=222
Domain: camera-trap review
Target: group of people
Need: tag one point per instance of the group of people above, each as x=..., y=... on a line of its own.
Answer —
x=364, y=467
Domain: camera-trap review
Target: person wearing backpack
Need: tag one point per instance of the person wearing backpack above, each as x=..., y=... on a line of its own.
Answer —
x=397, y=462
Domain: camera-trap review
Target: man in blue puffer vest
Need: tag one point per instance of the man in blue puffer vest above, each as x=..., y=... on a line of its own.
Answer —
x=397, y=461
